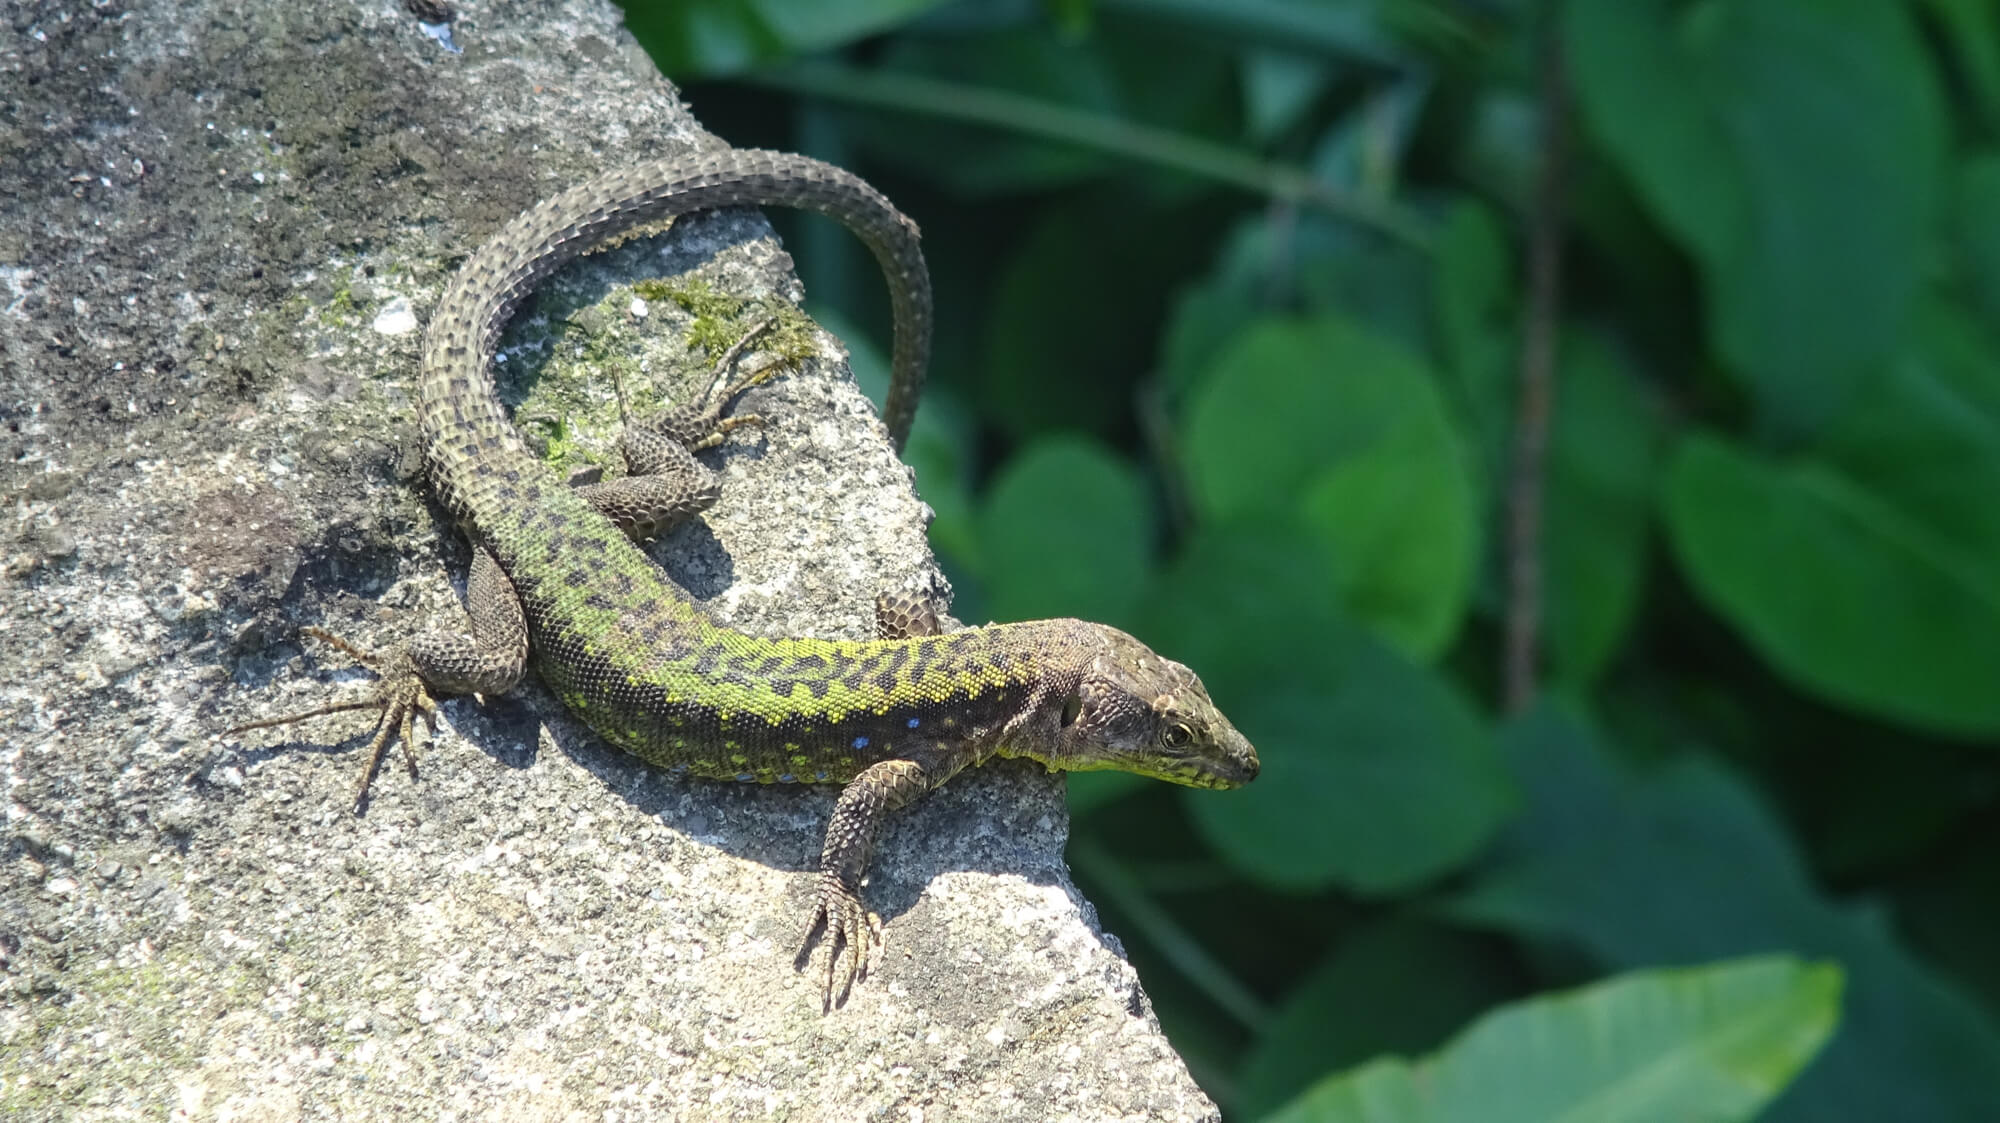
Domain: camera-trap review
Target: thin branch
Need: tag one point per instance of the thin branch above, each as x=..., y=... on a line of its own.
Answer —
x=1168, y=937
x=1541, y=317
x=1004, y=109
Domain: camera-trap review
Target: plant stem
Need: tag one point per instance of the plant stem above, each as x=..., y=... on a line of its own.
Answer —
x=1542, y=315
x=1020, y=113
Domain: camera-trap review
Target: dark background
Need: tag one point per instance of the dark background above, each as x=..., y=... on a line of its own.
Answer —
x=1564, y=437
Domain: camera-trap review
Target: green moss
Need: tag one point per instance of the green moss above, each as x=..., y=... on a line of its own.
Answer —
x=341, y=311
x=568, y=402
x=791, y=335
x=721, y=319
x=655, y=289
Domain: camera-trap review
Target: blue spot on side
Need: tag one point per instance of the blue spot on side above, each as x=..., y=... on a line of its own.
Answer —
x=745, y=777
x=913, y=723
x=861, y=742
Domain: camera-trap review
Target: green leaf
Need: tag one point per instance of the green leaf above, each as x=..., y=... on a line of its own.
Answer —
x=1680, y=864
x=1924, y=436
x=1602, y=458
x=1839, y=583
x=1066, y=530
x=1376, y=779
x=1710, y=1043
x=1209, y=312
x=1363, y=280
x=705, y=38
x=1056, y=109
x=1793, y=147
x=1311, y=266
x=1377, y=776
x=1246, y=604
x=1324, y=423
x=1398, y=985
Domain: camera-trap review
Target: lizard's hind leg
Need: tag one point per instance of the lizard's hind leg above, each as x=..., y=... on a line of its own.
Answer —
x=489, y=661
x=399, y=696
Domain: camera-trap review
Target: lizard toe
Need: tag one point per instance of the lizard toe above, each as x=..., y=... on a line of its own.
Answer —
x=399, y=698
x=852, y=935
x=402, y=698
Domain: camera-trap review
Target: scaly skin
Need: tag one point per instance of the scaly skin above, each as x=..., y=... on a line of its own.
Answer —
x=556, y=572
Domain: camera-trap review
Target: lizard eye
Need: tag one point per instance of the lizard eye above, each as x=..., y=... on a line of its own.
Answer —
x=1177, y=736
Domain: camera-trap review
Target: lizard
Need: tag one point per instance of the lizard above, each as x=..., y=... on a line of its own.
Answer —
x=557, y=573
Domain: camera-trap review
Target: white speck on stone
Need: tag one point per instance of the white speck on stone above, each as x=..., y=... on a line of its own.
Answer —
x=442, y=33
x=395, y=318
x=638, y=308
x=62, y=886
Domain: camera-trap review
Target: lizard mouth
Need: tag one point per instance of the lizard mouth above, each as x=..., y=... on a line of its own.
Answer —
x=1232, y=762
x=1229, y=769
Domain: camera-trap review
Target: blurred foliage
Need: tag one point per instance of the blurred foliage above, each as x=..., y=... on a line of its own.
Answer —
x=1231, y=301
x=1687, y=1043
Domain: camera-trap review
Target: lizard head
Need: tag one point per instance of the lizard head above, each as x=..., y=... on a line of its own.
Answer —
x=1134, y=711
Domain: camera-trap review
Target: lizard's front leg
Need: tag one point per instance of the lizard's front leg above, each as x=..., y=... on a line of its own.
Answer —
x=864, y=803
x=880, y=788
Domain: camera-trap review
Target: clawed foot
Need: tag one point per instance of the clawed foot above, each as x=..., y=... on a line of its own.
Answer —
x=850, y=928
x=701, y=424
x=713, y=425
x=400, y=695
